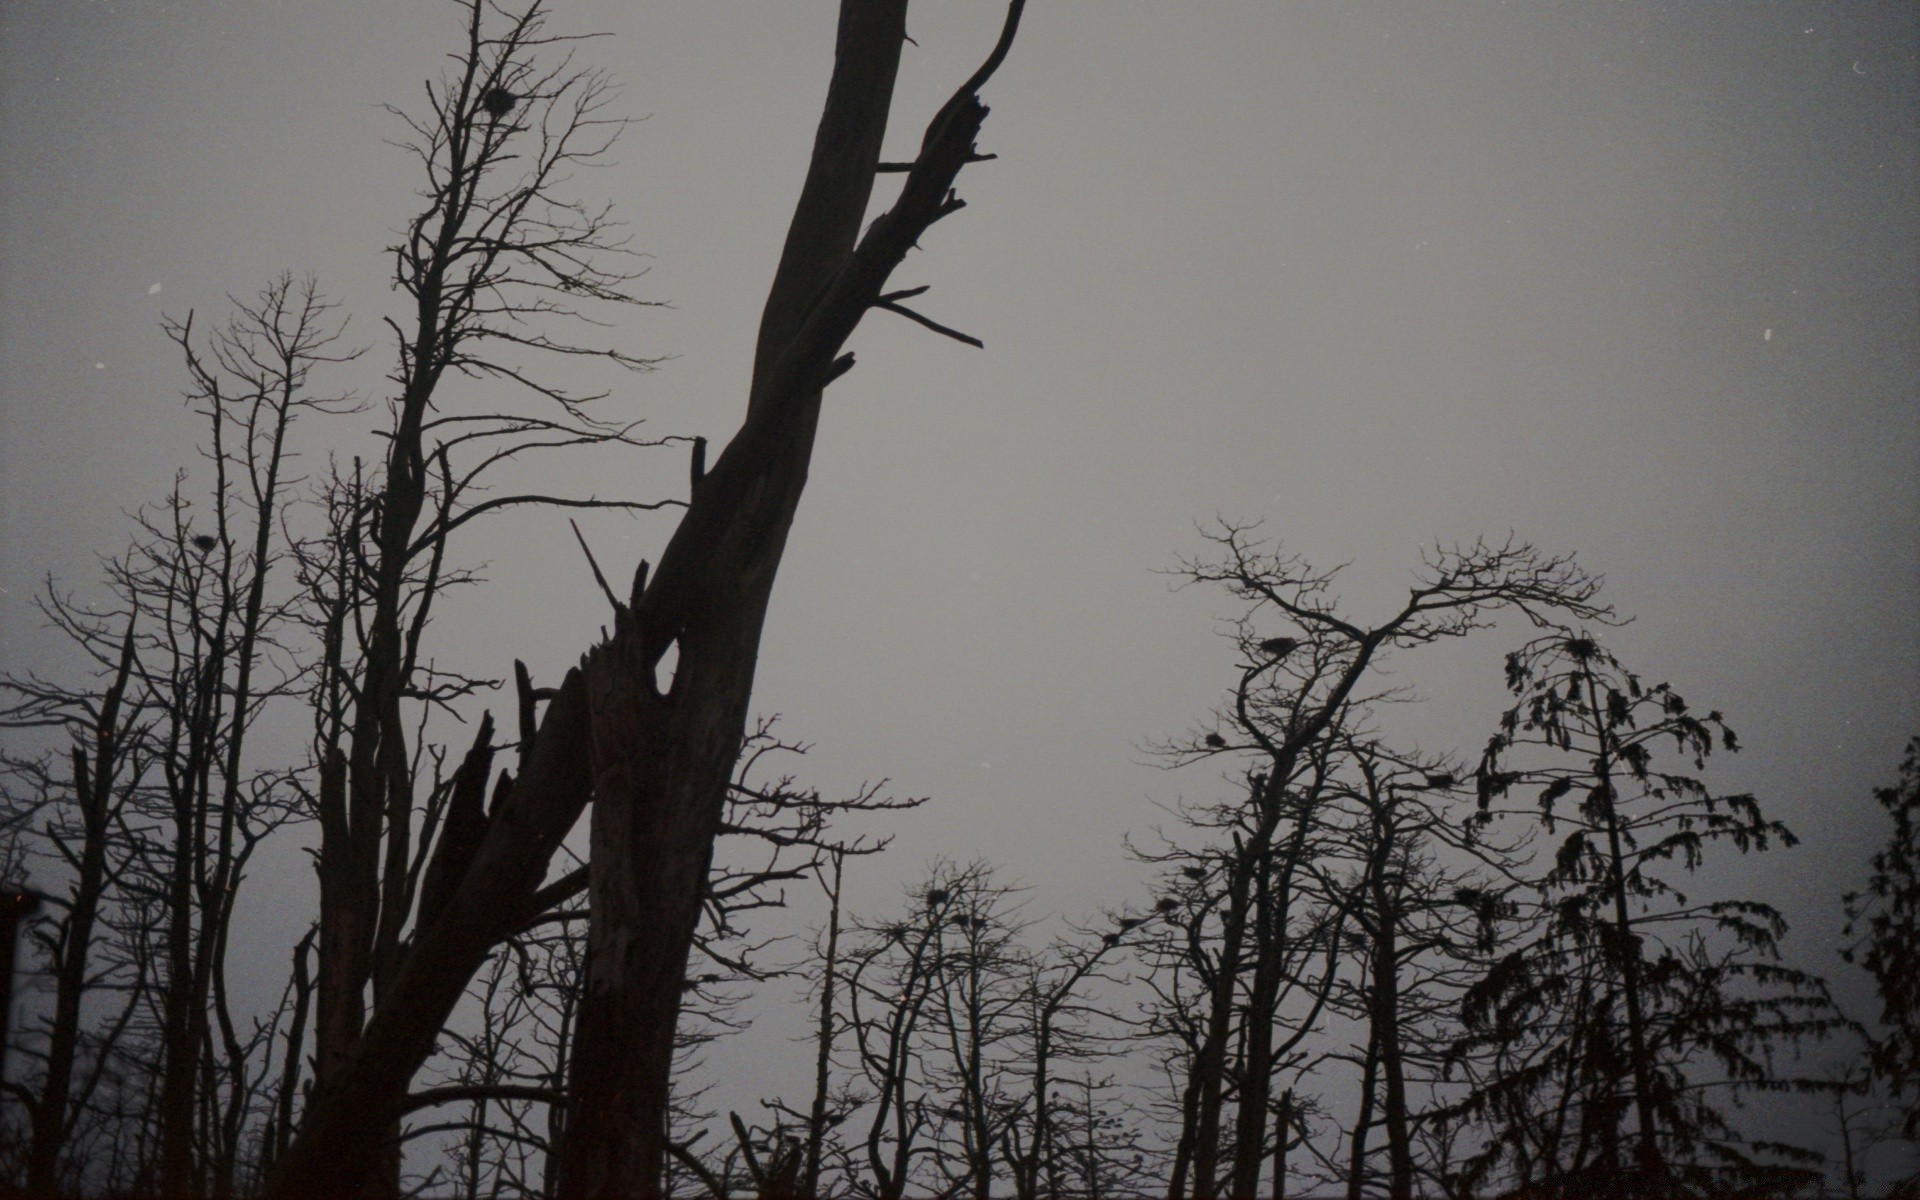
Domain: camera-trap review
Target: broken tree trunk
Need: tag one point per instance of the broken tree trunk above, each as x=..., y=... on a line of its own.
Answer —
x=663, y=760
x=657, y=764
x=350, y=1119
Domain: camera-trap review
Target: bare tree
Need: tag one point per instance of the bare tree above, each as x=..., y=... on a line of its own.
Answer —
x=498, y=259
x=817, y=1109
x=108, y=762
x=661, y=761
x=1427, y=897
x=663, y=755
x=189, y=658
x=251, y=381
x=1059, y=1023
x=1294, y=691
x=892, y=981
x=1096, y=1146
x=951, y=1032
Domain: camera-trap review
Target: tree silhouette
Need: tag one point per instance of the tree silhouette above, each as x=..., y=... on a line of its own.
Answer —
x=1236, y=900
x=1629, y=1010
x=1340, y=976
x=1886, y=919
x=166, y=804
x=663, y=755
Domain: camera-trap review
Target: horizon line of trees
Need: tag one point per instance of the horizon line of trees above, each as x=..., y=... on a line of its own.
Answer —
x=1361, y=969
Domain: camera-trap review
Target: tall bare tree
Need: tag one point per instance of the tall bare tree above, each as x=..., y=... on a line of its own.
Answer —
x=498, y=259
x=660, y=760
x=1061, y=1024
x=663, y=755
x=1427, y=896
x=190, y=657
x=1294, y=692
x=251, y=382
x=109, y=761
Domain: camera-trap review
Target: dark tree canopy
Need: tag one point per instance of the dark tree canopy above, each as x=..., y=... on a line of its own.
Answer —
x=1886, y=918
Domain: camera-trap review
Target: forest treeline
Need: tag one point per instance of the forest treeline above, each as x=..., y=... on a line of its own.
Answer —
x=1360, y=968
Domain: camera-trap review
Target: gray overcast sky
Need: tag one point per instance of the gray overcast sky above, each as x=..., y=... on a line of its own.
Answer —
x=1633, y=280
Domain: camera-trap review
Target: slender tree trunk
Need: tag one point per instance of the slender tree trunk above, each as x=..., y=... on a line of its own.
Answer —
x=823, y=1040
x=1256, y=1066
x=183, y=1017
x=281, y=1131
x=1041, y=1151
x=1849, y=1161
x=1651, y=1168
x=1183, y=1149
x=1369, y=1080
x=1384, y=999
x=180, y=1058
x=1386, y=1022
x=14, y=907
x=1272, y=931
x=93, y=790
x=1282, y=1135
x=1210, y=1065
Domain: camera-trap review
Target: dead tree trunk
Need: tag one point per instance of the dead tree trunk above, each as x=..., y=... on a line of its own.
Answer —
x=15, y=906
x=351, y=1116
x=823, y=1042
x=94, y=786
x=662, y=760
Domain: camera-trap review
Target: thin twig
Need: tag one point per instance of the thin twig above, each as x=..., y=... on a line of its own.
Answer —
x=929, y=322
x=597, y=576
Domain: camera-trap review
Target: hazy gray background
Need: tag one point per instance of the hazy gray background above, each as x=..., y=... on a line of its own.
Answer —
x=1380, y=273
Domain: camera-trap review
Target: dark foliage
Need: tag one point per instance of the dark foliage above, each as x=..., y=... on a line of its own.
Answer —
x=1886, y=918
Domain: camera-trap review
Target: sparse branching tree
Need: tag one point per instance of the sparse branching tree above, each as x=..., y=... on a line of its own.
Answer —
x=952, y=1031
x=502, y=265
x=498, y=258
x=1425, y=898
x=657, y=762
x=82, y=832
x=1048, y=1142
x=219, y=622
x=191, y=655
x=1245, y=897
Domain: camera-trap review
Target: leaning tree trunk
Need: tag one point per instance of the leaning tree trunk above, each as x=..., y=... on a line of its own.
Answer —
x=349, y=1121
x=662, y=760
x=657, y=764
x=93, y=786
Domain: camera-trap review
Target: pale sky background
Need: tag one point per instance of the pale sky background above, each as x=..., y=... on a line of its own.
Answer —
x=1633, y=280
